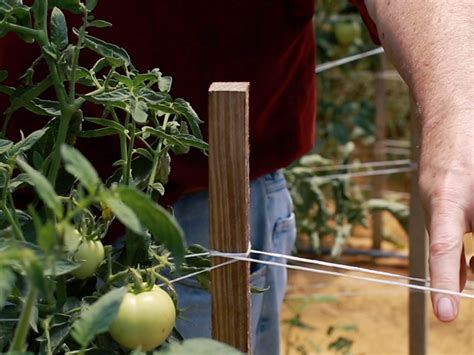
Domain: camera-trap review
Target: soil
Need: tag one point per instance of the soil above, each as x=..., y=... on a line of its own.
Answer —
x=367, y=318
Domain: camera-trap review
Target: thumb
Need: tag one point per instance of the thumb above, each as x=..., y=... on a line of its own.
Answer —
x=446, y=232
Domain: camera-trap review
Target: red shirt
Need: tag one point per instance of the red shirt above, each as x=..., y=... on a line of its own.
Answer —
x=269, y=43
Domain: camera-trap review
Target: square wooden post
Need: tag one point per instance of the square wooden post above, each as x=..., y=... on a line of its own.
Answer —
x=418, y=251
x=229, y=195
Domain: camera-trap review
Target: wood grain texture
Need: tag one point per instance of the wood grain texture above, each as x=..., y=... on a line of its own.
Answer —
x=229, y=211
x=418, y=252
x=379, y=152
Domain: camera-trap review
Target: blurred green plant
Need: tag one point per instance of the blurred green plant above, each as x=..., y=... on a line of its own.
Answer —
x=336, y=335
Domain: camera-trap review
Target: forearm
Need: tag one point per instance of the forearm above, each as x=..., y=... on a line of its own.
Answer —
x=431, y=43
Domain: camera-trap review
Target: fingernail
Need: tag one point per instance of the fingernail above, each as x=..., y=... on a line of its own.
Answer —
x=446, y=310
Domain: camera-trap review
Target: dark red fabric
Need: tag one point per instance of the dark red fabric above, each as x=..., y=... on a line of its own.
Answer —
x=269, y=43
x=371, y=26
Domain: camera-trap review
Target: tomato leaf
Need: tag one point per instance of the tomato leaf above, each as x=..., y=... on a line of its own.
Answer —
x=44, y=188
x=124, y=214
x=100, y=24
x=59, y=29
x=91, y=4
x=156, y=219
x=26, y=144
x=5, y=145
x=97, y=318
x=184, y=108
x=114, y=54
x=78, y=166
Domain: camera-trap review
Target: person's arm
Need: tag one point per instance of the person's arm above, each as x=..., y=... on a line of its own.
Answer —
x=432, y=44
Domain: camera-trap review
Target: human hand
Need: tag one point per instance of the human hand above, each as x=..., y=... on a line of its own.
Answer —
x=447, y=191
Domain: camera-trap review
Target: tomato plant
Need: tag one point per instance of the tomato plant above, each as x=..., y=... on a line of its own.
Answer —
x=145, y=319
x=61, y=285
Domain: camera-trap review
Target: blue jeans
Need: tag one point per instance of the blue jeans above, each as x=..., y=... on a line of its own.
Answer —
x=272, y=229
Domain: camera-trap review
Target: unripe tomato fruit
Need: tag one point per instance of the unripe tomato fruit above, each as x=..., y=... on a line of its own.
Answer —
x=144, y=320
x=347, y=32
x=89, y=253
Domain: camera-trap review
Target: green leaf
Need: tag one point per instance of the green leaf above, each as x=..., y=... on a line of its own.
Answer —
x=159, y=222
x=145, y=153
x=22, y=96
x=114, y=54
x=184, y=108
x=199, y=346
x=44, y=188
x=156, y=100
x=98, y=317
x=138, y=110
x=164, y=83
x=192, y=141
x=157, y=186
x=26, y=144
x=91, y=4
x=44, y=107
x=100, y=24
x=78, y=166
x=123, y=213
x=59, y=29
x=5, y=145
x=7, y=283
x=107, y=123
x=61, y=267
x=116, y=97
x=159, y=132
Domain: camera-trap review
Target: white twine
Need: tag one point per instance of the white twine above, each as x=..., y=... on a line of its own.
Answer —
x=356, y=277
x=367, y=173
x=239, y=257
x=370, y=164
x=336, y=63
x=207, y=269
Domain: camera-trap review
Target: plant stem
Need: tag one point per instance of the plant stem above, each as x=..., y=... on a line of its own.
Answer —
x=128, y=166
x=123, y=146
x=21, y=332
x=3, y=205
x=21, y=29
x=156, y=159
x=75, y=59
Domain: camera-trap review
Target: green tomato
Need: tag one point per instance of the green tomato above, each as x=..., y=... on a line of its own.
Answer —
x=347, y=32
x=144, y=320
x=89, y=253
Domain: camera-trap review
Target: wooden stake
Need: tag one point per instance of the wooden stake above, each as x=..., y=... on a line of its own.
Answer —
x=229, y=211
x=379, y=153
x=418, y=252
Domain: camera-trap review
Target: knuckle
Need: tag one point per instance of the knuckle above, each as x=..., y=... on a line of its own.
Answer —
x=443, y=247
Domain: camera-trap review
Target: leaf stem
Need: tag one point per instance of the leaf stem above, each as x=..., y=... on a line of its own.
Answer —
x=19, y=340
x=156, y=159
x=128, y=163
x=75, y=59
x=6, y=195
x=36, y=34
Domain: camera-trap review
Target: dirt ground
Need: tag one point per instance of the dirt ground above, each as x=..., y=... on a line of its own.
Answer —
x=368, y=318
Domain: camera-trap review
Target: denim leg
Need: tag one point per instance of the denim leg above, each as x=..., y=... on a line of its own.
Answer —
x=272, y=229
